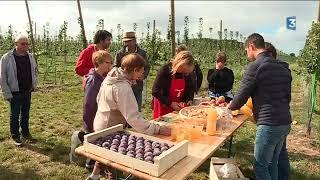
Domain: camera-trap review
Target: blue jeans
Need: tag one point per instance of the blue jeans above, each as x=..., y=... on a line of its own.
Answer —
x=20, y=107
x=283, y=163
x=268, y=145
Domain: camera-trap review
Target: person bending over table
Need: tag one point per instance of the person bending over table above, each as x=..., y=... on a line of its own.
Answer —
x=221, y=79
x=117, y=103
x=173, y=88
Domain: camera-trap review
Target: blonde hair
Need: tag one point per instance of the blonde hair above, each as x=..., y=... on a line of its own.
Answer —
x=132, y=61
x=181, y=47
x=99, y=57
x=221, y=57
x=182, y=58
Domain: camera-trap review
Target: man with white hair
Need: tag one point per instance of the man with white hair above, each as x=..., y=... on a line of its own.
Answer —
x=18, y=78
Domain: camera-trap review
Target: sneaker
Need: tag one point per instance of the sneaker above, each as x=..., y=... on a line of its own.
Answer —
x=90, y=178
x=90, y=164
x=29, y=138
x=17, y=141
x=75, y=142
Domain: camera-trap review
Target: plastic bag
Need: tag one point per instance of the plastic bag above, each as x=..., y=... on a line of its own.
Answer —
x=229, y=171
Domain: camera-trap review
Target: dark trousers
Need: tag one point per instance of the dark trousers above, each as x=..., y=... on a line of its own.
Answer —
x=19, y=109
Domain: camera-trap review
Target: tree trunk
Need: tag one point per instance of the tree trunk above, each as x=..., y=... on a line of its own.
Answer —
x=173, y=31
x=31, y=32
x=85, y=42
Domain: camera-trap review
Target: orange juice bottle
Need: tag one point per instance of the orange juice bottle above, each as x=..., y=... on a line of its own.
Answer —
x=212, y=121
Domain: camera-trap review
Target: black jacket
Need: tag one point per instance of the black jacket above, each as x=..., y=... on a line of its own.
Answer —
x=139, y=86
x=268, y=82
x=161, y=85
x=220, y=81
x=197, y=77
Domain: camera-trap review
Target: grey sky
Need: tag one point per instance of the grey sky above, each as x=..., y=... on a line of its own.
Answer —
x=266, y=17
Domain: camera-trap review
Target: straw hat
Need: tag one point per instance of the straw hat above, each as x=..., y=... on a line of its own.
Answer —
x=128, y=36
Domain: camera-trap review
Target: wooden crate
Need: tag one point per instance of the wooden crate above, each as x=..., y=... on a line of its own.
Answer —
x=217, y=163
x=161, y=163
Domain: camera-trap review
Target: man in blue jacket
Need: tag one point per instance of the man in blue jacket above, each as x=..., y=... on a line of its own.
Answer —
x=268, y=82
x=19, y=74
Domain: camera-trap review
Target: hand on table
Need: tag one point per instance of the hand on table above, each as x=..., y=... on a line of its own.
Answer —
x=175, y=106
x=228, y=105
x=165, y=130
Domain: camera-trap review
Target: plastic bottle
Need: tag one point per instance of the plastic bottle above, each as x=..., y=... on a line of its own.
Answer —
x=212, y=121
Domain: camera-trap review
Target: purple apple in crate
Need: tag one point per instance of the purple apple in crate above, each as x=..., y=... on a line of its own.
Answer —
x=132, y=137
x=164, y=148
x=122, y=149
x=106, y=145
x=115, y=141
x=140, y=138
x=148, y=154
x=131, y=155
x=156, y=152
x=148, y=159
x=148, y=149
x=139, y=151
x=117, y=137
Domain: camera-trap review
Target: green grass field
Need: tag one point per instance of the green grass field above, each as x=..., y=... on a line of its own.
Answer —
x=57, y=111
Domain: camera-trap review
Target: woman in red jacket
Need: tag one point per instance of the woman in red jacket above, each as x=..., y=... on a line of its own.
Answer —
x=173, y=88
x=102, y=41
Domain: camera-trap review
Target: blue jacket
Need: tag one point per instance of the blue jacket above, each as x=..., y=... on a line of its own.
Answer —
x=268, y=82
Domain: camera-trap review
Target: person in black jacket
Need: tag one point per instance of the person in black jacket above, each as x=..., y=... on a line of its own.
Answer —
x=220, y=79
x=196, y=75
x=173, y=88
x=268, y=82
x=283, y=162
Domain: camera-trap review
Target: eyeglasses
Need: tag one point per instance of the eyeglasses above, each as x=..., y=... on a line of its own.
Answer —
x=109, y=62
x=24, y=43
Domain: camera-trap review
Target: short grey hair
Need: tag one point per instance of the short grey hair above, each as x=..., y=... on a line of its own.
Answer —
x=19, y=37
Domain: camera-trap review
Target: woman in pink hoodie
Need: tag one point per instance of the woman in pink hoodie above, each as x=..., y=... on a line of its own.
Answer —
x=117, y=103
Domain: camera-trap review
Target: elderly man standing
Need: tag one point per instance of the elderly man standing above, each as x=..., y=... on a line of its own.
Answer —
x=19, y=74
x=131, y=46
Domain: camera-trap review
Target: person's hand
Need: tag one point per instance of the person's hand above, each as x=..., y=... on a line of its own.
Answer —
x=189, y=103
x=165, y=130
x=228, y=105
x=175, y=106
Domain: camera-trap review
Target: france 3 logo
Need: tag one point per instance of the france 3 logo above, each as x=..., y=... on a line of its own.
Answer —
x=291, y=23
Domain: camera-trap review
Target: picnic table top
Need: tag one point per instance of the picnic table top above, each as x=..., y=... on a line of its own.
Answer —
x=199, y=150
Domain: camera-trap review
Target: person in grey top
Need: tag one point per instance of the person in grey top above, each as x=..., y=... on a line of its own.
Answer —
x=131, y=46
x=18, y=78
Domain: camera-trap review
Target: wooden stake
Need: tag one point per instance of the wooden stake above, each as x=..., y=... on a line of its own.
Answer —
x=173, y=31
x=85, y=42
x=31, y=32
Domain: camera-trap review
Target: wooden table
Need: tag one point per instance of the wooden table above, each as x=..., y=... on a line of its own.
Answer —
x=198, y=151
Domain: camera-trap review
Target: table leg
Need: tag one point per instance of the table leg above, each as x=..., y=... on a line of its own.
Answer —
x=230, y=146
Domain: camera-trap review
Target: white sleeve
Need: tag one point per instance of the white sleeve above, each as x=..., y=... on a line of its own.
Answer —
x=127, y=105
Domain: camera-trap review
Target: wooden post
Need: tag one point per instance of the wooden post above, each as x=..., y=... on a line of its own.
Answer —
x=319, y=12
x=220, y=37
x=31, y=32
x=85, y=42
x=173, y=31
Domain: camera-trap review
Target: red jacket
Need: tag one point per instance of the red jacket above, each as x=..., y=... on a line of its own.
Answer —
x=84, y=62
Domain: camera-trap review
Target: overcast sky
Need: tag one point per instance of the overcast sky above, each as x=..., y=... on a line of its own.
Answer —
x=265, y=17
